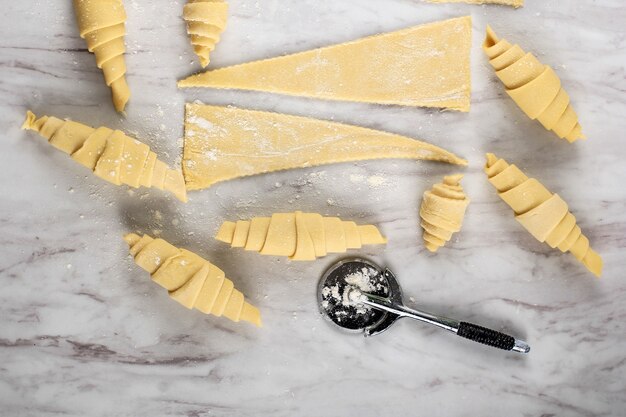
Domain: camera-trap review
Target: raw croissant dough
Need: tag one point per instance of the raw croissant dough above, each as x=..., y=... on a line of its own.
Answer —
x=300, y=236
x=223, y=143
x=533, y=86
x=206, y=20
x=190, y=279
x=545, y=215
x=514, y=3
x=424, y=66
x=110, y=154
x=101, y=24
x=442, y=211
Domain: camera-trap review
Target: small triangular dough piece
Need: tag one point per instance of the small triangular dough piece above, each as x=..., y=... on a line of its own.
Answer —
x=299, y=236
x=534, y=87
x=425, y=66
x=110, y=154
x=544, y=214
x=206, y=20
x=223, y=143
x=190, y=279
x=102, y=25
x=514, y=3
x=442, y=211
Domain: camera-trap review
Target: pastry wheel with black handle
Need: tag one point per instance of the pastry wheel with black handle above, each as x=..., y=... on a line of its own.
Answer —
x=359, y=296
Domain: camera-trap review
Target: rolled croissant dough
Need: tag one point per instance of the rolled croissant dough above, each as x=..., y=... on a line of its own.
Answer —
x=544, y=214
x=442, y=211
x=426, y=66
x=222, y=143
x=191, y=280
x=300, y=236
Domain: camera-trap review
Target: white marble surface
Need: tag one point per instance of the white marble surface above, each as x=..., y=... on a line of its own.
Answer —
x=83, y=331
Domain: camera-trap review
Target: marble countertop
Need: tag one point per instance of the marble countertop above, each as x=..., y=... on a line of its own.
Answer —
x=84, y=332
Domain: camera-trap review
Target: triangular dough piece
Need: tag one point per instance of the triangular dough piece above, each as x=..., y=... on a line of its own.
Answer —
x=190, y=279
x=223, y=143
x=425, y=66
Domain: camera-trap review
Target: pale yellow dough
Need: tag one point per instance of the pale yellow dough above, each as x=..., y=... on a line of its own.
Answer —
x=426, y=66
x=442, y=211
x=222, y=143
x=535, y=87
x=206, y=20
x=110, y=154
x=299, y=236
x=190, y=279
x=102, y=25
x=545, y=215
x=514, y=3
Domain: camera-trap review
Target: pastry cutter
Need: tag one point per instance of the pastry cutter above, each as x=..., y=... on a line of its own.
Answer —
x=359, y=296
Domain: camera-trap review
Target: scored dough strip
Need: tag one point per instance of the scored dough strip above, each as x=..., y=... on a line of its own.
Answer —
x=191, y=280
x=513, y=3
x=206, y=20
x=534, y=87
x=102, y=25
x=299, y=236
x=110, y=154
x=223, y=143
x=544, y=214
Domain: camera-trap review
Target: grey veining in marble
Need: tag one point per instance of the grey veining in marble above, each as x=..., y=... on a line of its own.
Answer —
x=84, y=332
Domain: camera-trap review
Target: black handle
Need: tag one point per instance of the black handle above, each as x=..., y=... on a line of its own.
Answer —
x=486, y=336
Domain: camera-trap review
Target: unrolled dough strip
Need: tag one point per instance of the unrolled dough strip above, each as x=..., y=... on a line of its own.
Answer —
x=514, y=3
x=533, y=86
x=206, y=20
x=300, y=236
x=222, y=143
x=425, y=66
x=442, y=211
x=191, y=280
x=101, y=24
x=110, y=154
x=545, y=215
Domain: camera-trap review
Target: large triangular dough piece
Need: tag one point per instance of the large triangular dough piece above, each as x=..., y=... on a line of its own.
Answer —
x=533, y=86
x=191, y=280
x=299, y=236
x=514, y=3
x=544, y=214
x=442, y=211
x=222, y=143
x=110, y=154
x=102, y=25
x=425, y=66
x=206, y=20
